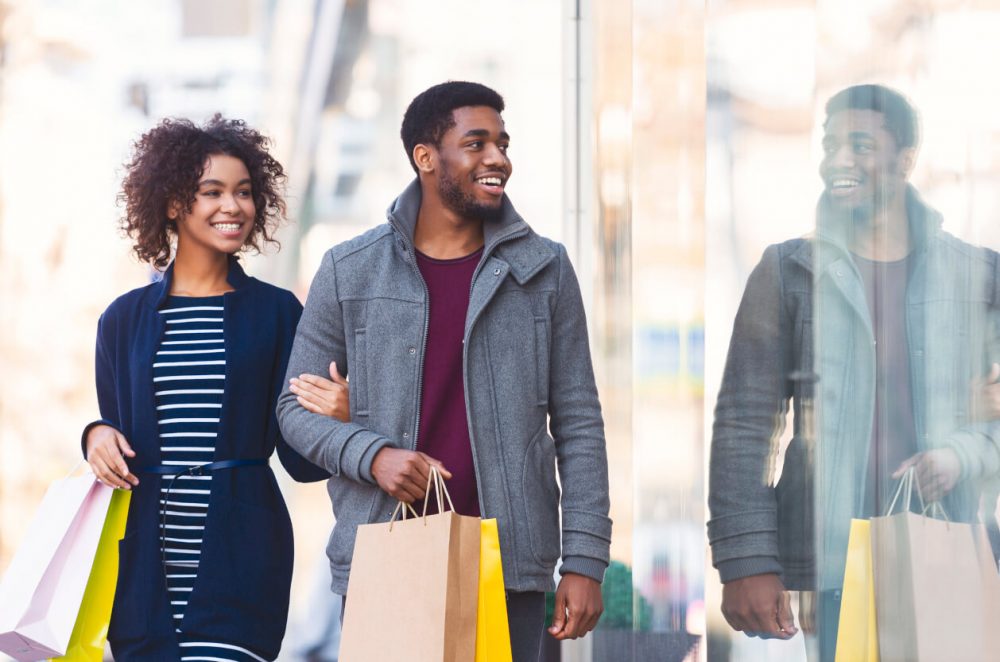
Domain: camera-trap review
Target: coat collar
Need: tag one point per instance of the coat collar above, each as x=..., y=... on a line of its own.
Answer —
x=831, y=238
x=524, y=250
x=161, y=289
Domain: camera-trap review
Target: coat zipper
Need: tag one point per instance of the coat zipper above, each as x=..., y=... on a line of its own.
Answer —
x=465, y=363
x=423, y=349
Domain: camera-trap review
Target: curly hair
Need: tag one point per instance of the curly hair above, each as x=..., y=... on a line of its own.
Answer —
x=167, y=163
x=429, y=115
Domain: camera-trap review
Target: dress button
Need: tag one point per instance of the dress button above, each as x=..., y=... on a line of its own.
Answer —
x=412, y=350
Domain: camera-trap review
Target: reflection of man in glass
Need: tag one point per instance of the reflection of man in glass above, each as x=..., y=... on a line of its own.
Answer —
x=875, y=327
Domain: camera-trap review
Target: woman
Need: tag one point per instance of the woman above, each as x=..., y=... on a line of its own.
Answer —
x=188, y=370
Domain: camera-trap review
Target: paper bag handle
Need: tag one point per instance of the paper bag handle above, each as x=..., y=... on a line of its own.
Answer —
x=435, y=477
x=401, y=507
x=437, y=481
x=936, y=505
x=909, y=480
x=75, y=468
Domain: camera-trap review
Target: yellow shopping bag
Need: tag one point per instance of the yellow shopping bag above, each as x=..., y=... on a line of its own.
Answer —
x=492, y=631
x=857, y=635
x=86, y=644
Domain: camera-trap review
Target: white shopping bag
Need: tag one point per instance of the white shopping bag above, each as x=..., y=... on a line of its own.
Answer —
x=41, y=591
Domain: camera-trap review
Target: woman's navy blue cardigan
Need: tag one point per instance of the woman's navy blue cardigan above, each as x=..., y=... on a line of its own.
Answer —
x=241, y=595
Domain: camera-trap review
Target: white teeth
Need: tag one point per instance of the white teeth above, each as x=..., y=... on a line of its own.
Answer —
x=490, y=181
x=845, y=183
x=228, y=227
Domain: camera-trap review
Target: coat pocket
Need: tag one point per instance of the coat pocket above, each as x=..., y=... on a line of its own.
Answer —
x=130, y=615
x=796, y=520
x=542, y=350
x=541, y=498
x=359, y=374
x=245, y=573
x=353, y=505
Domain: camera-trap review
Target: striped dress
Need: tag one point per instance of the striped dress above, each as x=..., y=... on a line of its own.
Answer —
x=189, y=378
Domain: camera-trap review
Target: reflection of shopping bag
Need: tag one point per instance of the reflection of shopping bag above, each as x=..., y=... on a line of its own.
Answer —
x=492, y=630
x=857, y=638
x=91, y=630
x=41, y=592
x=937, y=592
x=414, y=588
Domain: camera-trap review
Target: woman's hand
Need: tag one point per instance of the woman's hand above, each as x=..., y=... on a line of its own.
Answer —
x=322, y=396
x=106, y=452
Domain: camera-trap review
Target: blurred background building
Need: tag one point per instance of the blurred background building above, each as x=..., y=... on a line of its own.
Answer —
x=665, y=142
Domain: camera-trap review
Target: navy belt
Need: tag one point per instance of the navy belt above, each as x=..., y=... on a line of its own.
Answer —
x=201, y=469
x=177, y=472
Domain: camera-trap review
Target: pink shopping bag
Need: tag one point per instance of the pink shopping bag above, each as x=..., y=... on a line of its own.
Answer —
x=41, y=591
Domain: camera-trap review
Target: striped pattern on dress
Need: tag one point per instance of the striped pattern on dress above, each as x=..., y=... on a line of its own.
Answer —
x=189, y=373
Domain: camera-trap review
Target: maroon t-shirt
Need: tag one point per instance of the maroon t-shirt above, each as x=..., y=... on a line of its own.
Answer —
x=444, y=429
x=894, y=430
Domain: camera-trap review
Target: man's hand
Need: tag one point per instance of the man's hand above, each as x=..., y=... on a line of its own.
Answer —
x=106, y=447
x=322, y=396
x=759, y=606
x=578, y=607
x=937, y=472
x=404, y=474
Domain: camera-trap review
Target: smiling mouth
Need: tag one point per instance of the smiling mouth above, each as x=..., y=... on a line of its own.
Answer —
x=228, y=228
x=844, y=184
x=493, y=184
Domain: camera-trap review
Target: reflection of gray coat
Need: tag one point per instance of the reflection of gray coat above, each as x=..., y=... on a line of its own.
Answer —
x=803, y=331
x=527, y=372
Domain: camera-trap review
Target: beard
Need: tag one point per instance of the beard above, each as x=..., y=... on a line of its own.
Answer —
x=465, y=204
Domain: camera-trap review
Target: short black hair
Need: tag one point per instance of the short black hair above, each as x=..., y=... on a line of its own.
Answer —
x=901, y=117
x=429, y=115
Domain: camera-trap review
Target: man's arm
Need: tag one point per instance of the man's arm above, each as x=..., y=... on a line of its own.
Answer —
x=297, y=467
x=342, y=448
x=749, y=419
x=578, y=431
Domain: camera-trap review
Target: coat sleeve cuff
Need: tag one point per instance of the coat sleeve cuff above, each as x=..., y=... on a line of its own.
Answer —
x=90, y=426
x=353, y=458
x=584, y=565
x=747, y=567
x=365, y=466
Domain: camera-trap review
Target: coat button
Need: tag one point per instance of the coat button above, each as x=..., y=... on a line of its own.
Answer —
x=497, y=271
x=412, y=351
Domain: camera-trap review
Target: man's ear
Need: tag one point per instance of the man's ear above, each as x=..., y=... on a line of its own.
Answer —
x=907, y=160
x=425, y=156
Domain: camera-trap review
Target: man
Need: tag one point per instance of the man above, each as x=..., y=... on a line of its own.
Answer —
x=875, y=327
x=464, y=336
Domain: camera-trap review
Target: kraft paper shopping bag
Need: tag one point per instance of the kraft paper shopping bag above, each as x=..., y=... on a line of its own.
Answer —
x=43, y=587
x=937, y=592
x=492, y=628
x=857, y=636
x=86, y=644
x=414, y=588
